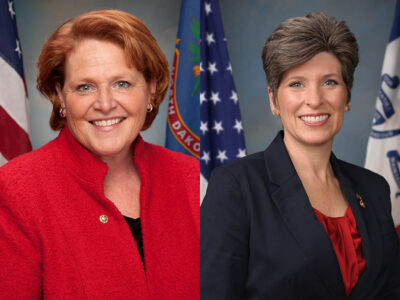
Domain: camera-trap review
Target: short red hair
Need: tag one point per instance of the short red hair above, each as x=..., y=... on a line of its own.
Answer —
x=121, y=28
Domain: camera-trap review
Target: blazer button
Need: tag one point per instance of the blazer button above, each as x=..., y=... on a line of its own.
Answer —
x=103, y=219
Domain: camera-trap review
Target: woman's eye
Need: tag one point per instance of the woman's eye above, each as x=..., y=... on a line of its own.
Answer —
x=84, y=88
x=123, y=84
x=295, y=84
x=330, y=82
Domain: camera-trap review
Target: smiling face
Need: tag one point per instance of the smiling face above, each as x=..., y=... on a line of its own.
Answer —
x=104, y=98
x=311, y=101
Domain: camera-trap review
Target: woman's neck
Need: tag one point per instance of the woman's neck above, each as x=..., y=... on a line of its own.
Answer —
x=310, y=161
x=120, y=165
x=122, y=184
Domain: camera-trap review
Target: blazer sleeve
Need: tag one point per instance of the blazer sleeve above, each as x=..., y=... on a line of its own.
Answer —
x=224, y=248
x=19, y=259
x=392, y=289
x=393, y=286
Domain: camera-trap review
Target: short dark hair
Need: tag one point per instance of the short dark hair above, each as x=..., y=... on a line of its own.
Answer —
x=297, y=40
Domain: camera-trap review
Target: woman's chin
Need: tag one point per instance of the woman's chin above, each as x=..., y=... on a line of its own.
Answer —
x=319, y=139
x=105, y=150
x=314, y=139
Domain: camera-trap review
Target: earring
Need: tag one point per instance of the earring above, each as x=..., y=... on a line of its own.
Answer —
x=347, y=107
x=62, y=112
x=149, y=107
x=275, y=112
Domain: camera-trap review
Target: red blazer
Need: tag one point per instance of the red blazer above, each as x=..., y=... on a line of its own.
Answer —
x=54, y=246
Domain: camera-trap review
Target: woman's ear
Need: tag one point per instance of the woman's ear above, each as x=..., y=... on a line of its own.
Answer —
x=152, y=87
x=274, y=108
x=348, y=96
x=60, y=94
x=347, y=107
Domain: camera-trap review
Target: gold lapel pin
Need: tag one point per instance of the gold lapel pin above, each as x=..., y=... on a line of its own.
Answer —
x=360, y=200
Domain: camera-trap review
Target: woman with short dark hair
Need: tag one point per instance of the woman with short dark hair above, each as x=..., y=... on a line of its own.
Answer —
x=295, y=222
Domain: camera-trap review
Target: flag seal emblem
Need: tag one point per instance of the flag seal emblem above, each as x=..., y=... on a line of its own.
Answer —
x=180, y=127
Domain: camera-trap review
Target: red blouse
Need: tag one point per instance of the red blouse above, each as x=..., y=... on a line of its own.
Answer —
x=346, y=241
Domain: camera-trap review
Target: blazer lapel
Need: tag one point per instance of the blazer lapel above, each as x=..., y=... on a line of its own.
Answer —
x=294, y=206
x=368, y=227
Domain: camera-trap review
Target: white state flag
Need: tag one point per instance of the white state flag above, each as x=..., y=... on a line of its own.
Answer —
x=383, y=156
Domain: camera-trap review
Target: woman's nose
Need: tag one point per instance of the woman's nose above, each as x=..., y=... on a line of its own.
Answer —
x=105, y=101
x=314, y=97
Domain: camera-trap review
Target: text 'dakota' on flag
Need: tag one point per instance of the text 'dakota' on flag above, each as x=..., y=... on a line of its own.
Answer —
x=183, y=104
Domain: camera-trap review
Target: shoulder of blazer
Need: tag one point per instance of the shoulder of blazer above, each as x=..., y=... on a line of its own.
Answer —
x=359, y=175
x=367, y=182
x=273, y=164
x=248, y=166
x=270, y=168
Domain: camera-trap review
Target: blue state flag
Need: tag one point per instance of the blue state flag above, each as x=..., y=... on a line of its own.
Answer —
x=183, y=104
x=222, y=137
x=383, y=148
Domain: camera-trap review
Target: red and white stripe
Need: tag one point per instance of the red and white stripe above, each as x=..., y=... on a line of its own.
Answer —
x=14, y=114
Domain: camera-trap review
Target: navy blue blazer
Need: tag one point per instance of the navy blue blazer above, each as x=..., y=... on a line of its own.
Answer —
x=260, y=238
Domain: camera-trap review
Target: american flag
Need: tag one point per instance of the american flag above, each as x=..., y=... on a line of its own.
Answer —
x=14, y=123
x=221, y=129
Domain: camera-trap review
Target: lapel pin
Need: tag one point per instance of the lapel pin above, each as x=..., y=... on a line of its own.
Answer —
x=360, y=200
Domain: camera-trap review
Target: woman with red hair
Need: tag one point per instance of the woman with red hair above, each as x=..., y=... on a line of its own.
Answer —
x=98, y=212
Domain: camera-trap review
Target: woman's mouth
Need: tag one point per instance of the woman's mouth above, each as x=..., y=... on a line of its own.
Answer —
x=108, y=122
x=315, y=119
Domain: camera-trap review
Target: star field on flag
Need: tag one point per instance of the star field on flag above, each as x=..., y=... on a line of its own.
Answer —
x=221, y=129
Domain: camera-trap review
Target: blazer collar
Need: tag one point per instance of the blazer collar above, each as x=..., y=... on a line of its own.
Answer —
x=88, y=169
x=295, y=208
